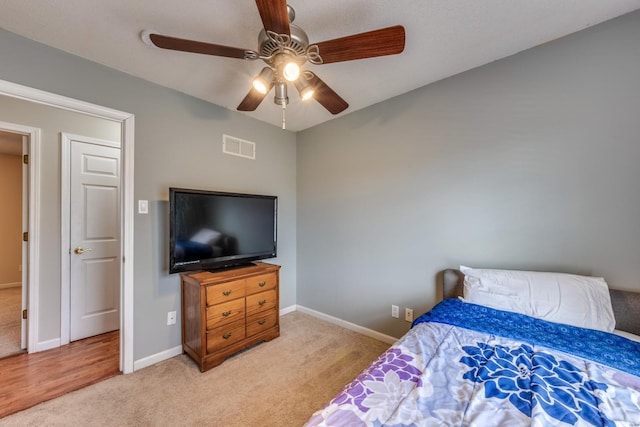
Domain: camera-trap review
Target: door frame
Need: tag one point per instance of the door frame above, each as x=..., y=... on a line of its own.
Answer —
x=65, y=197
x=30, y=204
x=24, y=324
x=127, y=121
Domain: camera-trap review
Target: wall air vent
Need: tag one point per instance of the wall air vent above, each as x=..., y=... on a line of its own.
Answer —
x=238, y=147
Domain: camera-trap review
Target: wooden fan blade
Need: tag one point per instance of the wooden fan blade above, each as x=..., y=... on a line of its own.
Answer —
x=326, y=96
x=275, y=16
x=183, y=45
x=251, y=101
x=385, y=41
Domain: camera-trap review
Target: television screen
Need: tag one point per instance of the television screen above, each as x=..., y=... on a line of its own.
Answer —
x=211, y=230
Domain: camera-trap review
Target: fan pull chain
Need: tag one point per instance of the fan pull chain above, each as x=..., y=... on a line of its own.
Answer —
x=284, y=109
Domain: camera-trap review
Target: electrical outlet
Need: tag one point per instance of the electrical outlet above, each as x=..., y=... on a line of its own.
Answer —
x=171, y=318
x=408, y=315
x=395, y=311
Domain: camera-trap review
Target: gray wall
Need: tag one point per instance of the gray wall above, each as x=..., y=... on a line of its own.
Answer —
x=529, y=162
x=178, y=142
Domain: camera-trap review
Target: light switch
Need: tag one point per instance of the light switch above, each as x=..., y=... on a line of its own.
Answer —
x=143, y=206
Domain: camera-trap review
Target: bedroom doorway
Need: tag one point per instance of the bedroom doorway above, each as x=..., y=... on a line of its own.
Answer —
x=38, y=302
x=13, y=254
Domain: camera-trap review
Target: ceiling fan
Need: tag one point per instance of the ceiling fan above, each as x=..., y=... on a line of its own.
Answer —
x=285, y=48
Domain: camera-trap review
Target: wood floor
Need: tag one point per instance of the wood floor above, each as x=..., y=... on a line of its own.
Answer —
x=29, y=379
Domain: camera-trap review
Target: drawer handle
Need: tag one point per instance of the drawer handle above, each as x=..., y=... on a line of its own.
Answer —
x=262, y=302
x=226, y=293
x=227, y=335
x=262, y=322
x=262, y=284
x=226, y=313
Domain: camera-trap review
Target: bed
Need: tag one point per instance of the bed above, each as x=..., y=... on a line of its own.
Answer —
x=557, y=357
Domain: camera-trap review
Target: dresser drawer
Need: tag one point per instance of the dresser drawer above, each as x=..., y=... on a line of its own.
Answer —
x=221, y=314
x=261, y=283
x=261, y=321
x=226, y=335
x=223, y=292
x=261, y=302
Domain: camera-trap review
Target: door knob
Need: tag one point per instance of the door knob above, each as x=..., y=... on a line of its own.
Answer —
x=80, y=250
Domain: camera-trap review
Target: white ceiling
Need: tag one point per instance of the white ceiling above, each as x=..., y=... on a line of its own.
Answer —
x=444, y=37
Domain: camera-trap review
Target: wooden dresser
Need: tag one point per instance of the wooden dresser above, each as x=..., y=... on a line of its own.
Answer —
x=226, y=311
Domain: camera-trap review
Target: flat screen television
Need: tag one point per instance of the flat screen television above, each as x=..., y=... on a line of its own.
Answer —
x=210, y=230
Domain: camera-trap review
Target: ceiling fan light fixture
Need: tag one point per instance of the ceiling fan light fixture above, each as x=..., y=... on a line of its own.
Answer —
x=284, y=47
x=305, y=90
x=281, y=97
x=264, y=82
x=291, y=71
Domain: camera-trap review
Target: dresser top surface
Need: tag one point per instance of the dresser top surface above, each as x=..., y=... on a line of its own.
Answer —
x=209, y=277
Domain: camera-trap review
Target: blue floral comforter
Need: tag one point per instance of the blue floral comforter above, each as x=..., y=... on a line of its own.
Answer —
x=466, y=365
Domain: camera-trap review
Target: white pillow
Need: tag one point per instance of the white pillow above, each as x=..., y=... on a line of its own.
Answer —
x=557, y=297
x=627, y=335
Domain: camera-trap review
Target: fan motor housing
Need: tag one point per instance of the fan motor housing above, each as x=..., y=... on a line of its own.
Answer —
x=297, y=43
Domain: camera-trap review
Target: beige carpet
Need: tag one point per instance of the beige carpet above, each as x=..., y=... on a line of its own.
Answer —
x=278, y=383
x=10, y=318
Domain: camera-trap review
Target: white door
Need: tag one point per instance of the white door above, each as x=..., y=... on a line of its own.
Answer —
x=95, y=239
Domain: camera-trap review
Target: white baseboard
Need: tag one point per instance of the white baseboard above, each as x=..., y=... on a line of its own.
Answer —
x=288, y=310
x=46, y=345
x=158, y=357
x=10, y=285
x=348, y=325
